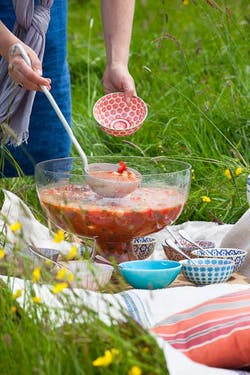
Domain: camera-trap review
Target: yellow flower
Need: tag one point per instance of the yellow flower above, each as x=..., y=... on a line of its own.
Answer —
x=61, y=273
x=70, y=277
x=59, y=236
x=36, y=274
x=185, y=2
x=2, y=253
x=59, y=287
x=205, y=199
x=238, y=171
x=13, y=309
x=17, y=294
x=228, y=174
x=135, y=370
x=36, y=299
x=15, y=226
x=103, y=361
x=72, y=253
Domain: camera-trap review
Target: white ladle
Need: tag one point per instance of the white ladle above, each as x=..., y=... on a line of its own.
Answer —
x=186, y=237
x=171, y=232
x=171, y=244
x=106, y=187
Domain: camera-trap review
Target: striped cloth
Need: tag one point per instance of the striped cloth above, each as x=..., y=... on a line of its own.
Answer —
x=215, y=333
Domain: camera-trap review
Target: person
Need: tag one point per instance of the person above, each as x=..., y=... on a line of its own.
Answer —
x=47, y=137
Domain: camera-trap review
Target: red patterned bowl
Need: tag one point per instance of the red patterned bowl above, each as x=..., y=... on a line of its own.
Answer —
x=116, y=117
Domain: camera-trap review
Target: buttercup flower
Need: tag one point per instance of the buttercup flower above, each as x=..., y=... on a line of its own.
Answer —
x=105, y=360
x=36, y=299
x=15, y=226
x=185, y=2
x=205, y=199
x=135, y=370
x=17, y=294
x=238, y=171
x=228, y=174
x=13, y=309
x=59, y=236
x=72, y=253
x=2, y=253
x=61, y=274
x=70, y=277
x=36, y=274
x=59, y=287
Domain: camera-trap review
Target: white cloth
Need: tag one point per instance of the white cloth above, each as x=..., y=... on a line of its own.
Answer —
x=146, y=307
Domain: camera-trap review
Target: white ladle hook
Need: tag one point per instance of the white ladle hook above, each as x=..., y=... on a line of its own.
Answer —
x=59, y=113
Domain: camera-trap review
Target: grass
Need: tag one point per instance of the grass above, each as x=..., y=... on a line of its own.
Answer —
x=190, y=64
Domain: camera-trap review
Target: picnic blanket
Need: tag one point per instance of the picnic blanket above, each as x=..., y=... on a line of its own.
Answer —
x=147, y=307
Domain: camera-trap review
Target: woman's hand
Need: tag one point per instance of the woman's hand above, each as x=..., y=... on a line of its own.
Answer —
x=22, y=74
x=118, y=78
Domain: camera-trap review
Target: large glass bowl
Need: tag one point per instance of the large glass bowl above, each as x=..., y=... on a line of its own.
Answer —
x=70, y=203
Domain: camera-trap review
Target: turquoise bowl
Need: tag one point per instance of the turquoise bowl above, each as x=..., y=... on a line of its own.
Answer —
x=150, y=274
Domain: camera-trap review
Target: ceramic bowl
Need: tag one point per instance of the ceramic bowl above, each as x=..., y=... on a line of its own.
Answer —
x=237, y=255
x=186, y=247
x=207, y=270
x=143, y=247
x=118, y=118
x=88, y=275
x=149, y=274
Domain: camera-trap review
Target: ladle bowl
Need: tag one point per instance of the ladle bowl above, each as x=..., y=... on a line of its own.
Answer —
x=113, y=221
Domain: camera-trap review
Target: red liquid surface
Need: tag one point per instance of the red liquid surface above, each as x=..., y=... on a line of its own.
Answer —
x=81, y=211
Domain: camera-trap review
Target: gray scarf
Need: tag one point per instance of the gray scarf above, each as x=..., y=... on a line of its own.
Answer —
x=16, y=103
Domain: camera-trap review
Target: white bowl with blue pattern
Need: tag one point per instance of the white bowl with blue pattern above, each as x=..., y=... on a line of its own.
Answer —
x=207, y=270
x=143, y=247
x=237, y=255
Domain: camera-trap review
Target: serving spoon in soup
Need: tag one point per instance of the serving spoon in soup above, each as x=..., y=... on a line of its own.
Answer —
x=106, y=179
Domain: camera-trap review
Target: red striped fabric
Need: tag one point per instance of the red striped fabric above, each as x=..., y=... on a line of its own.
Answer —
x=215, y=333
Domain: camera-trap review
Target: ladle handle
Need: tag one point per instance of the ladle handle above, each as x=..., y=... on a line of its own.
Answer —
x=171, y=243
x=53, y=103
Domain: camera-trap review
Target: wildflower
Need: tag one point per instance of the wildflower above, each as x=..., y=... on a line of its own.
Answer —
x=36, y=299
x=61, y=273
x=103, y=361
x=2, y=253
x=238, y=171
x=15, y=226
x=185, y=2
x=13, y=309
x=135, y=370
x=59, y=287
x=36, y=274
x=70, y=277
x=59, y=236
x=72, y=253
x=205, y=199
x=228, y=174
x=17, y=294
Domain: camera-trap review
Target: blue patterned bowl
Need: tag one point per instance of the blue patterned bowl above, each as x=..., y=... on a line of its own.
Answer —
x=237, y=255
x=207, y=270
x=143, y=247
x=150, y=274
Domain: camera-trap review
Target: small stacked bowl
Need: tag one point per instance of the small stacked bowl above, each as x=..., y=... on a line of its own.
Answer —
x=207, y=270
x=236, y=255
x=143, y=247
x=186, y=247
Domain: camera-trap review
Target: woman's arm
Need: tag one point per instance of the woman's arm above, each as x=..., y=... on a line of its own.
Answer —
x=117, y=17
x=19, y=71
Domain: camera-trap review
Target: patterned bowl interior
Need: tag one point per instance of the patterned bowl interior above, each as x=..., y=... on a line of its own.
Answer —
x=143, y=247
x=237, y=255
x=187, y=247
x=118, y=118
x=207, y=270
